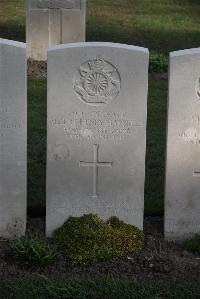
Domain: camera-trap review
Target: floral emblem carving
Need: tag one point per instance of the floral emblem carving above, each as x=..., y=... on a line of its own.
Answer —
x=97, y=82
x=198, y=88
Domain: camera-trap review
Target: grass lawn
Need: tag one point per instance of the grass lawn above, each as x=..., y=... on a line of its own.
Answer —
x=43, y=288
x=12, y=19
x=37, y=97
x=155, y=155
x=160, y=25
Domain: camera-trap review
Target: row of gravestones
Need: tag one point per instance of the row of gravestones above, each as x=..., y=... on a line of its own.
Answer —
x=97, y=108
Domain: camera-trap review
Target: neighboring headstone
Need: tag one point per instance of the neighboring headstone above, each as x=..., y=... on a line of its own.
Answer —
x=53, y=22
x=13, y=139
x=97, y=106
x=182, y=198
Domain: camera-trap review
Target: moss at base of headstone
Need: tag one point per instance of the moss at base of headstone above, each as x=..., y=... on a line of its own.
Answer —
x=87, y=239
x=193, y=244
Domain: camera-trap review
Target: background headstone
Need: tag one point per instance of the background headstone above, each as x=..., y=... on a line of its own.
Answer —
x=97, y=105
x=182, y=198
x=13, y=138
x=53, y=22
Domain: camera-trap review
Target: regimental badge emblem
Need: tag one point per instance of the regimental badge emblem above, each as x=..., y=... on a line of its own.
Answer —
x=97, y=82
x=198, y=88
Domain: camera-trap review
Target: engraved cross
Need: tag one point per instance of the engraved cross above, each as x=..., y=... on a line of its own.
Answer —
x=95, y=165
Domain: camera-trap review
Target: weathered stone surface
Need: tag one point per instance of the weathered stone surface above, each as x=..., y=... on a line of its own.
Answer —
x=58, y=4
x=97, y=104
x=182, y=202
x=13, y=139
x=53, y=22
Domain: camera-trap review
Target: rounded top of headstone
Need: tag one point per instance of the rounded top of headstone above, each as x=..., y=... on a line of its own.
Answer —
x=12, y=43
x=98, y=44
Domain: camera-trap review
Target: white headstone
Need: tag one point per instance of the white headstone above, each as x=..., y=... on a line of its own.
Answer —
x=13, y=139
x=53, y=22
x=97, y=105
x=182, y=198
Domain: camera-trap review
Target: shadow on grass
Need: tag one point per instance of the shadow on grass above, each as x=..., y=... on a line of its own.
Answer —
x=13, y=31
x=156, y=144
x=37, y=101
x=160, y=40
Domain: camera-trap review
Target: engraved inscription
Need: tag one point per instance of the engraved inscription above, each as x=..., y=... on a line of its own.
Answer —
x=7, y=127
x=97, y=82
x=95, y=165
x=174, y=224
x=94, y=204
x=97, y=126
x=10, y=125
x=56, y=4
x=115, y=210
x=196, y=174
x=191, y=133
x=5, y=124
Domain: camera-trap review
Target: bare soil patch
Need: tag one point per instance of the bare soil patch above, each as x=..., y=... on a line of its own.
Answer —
x=37, y=69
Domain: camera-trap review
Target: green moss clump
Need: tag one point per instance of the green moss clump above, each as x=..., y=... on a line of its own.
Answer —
x=193, y=244
x=87, y=239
